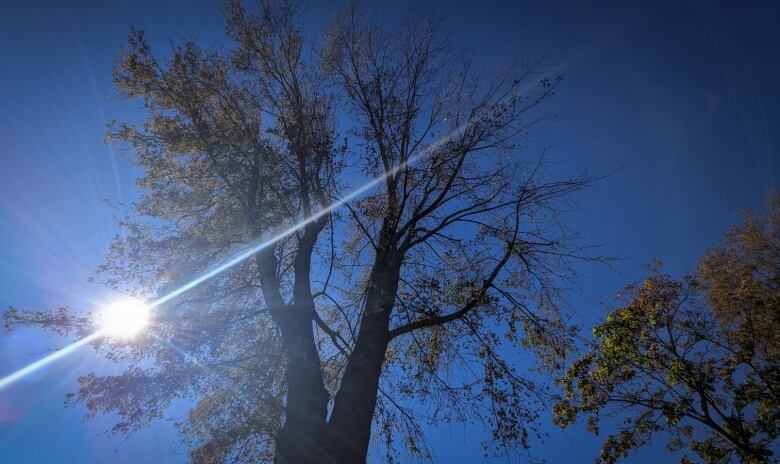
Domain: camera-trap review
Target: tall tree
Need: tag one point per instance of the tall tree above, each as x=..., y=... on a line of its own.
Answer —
x=398, y=309
x=697, y=359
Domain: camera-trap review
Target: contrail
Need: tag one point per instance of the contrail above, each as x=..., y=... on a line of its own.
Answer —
x=11, y=378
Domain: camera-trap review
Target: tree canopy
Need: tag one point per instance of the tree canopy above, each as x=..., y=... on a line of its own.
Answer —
x=401, y=309
x=695, y=360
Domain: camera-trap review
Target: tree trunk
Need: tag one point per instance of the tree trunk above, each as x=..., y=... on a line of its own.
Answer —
x=353, y=410
x=301, y=438
x=306, y=436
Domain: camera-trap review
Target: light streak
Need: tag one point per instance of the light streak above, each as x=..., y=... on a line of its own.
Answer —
x=281, y=235
x=30, y=368
x=252, y=250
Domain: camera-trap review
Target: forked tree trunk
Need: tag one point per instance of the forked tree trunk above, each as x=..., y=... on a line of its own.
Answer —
x=307, y=437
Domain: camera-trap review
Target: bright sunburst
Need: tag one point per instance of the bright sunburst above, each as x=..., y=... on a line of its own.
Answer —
x=124, y=318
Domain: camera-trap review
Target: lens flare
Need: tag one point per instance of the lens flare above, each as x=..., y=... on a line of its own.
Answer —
x=123, y=321
x=128, y=317
x=30, y=368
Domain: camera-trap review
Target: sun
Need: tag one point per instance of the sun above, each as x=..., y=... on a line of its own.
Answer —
x=124, y=318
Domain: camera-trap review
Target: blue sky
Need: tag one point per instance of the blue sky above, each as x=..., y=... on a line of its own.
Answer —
x=679, y=98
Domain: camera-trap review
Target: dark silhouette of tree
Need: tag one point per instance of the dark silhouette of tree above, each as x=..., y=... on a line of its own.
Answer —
x=393, y=312
x=696, y=359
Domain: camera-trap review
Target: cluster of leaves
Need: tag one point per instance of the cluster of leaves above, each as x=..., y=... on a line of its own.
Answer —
x=696, y=358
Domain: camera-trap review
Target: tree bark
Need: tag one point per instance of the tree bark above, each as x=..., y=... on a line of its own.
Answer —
x=301, y=438
x=353, y=410
x=307, y=436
